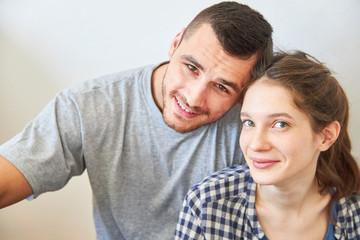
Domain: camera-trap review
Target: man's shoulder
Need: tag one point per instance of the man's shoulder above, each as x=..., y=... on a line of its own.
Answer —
x=232, y=118
x=115, y=79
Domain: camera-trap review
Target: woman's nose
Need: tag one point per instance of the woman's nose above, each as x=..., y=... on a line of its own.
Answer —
x=260, y=141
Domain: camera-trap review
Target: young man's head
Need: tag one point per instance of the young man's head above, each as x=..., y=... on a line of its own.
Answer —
x=240, y=30
x=222, y=48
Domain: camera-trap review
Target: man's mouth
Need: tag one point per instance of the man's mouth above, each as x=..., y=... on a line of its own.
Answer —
x=183, y=107
x=182, y=110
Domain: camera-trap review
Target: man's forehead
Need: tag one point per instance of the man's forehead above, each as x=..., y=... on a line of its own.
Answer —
x=204, y=51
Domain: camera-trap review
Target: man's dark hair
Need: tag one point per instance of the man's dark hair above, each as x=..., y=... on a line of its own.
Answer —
x=241, y=31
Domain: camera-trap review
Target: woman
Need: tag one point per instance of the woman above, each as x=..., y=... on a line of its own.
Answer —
x=300, y=180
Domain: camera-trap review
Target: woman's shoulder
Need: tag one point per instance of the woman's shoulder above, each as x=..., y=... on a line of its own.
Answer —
x=348, y=216
x=350, y=204
x=237, y=172
x=226, y=183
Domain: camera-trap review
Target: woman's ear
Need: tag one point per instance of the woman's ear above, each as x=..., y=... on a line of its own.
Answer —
x=329, y=135
x=175, y=43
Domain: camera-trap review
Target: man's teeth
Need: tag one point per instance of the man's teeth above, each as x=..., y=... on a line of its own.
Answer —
x=183, y=108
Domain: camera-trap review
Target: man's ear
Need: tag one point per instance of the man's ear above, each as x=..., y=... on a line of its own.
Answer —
x=175, y=43
x=329, y=135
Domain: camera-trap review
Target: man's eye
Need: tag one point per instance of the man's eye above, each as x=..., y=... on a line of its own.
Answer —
x=248, y=123
x=192, y=68
x=222, y=88
x=281, y=124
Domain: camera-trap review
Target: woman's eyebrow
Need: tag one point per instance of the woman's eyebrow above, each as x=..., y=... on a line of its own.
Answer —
x=281, y=114
x=244, y=114
x=273, y=115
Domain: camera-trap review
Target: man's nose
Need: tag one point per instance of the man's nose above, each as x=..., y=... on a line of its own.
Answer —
x=197, y=93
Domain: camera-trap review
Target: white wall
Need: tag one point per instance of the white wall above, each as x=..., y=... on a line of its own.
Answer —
x=46, y=46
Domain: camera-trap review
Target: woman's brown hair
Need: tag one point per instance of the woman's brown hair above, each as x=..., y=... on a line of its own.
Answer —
x=319, y=95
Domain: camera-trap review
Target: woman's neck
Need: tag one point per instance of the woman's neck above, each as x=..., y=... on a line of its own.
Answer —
x=296, y=209
x=290, y=197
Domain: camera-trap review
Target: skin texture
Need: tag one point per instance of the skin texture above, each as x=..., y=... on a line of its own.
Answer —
x=14, y=186
x=282, y=150
x=201, y=82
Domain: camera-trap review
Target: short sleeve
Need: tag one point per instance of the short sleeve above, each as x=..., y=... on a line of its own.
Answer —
x=48, y=151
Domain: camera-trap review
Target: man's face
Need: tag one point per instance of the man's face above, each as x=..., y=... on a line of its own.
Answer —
x=202, y=82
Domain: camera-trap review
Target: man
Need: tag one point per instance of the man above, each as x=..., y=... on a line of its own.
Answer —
x=145, y=135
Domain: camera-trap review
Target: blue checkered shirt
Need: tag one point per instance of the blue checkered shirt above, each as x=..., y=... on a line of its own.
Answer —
x=222, y=206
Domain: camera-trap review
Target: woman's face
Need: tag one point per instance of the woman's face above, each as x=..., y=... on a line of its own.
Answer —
x=277, y=140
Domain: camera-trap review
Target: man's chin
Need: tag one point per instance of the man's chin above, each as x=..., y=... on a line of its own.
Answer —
x=181, y=127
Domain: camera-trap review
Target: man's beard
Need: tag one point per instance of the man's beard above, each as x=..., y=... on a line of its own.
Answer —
x=166, y=113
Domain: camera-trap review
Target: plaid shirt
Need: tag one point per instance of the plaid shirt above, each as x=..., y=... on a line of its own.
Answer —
x=222, y=206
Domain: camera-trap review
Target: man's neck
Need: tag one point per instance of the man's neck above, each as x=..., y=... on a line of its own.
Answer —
x=156, y=84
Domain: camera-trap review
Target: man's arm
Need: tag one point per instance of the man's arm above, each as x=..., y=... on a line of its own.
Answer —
x=13, y=185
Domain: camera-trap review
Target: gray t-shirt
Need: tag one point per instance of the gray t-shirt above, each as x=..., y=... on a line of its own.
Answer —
x=139, y=168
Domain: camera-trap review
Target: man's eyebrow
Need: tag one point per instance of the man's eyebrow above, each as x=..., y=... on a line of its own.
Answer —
x=230, y=84
x=199, y=66
x=193, y=61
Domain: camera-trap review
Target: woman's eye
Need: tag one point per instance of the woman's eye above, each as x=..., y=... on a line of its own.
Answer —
x=281, y=125
x=248, y=123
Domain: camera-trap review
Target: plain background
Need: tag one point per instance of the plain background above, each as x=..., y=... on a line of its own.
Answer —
x=46, y=46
